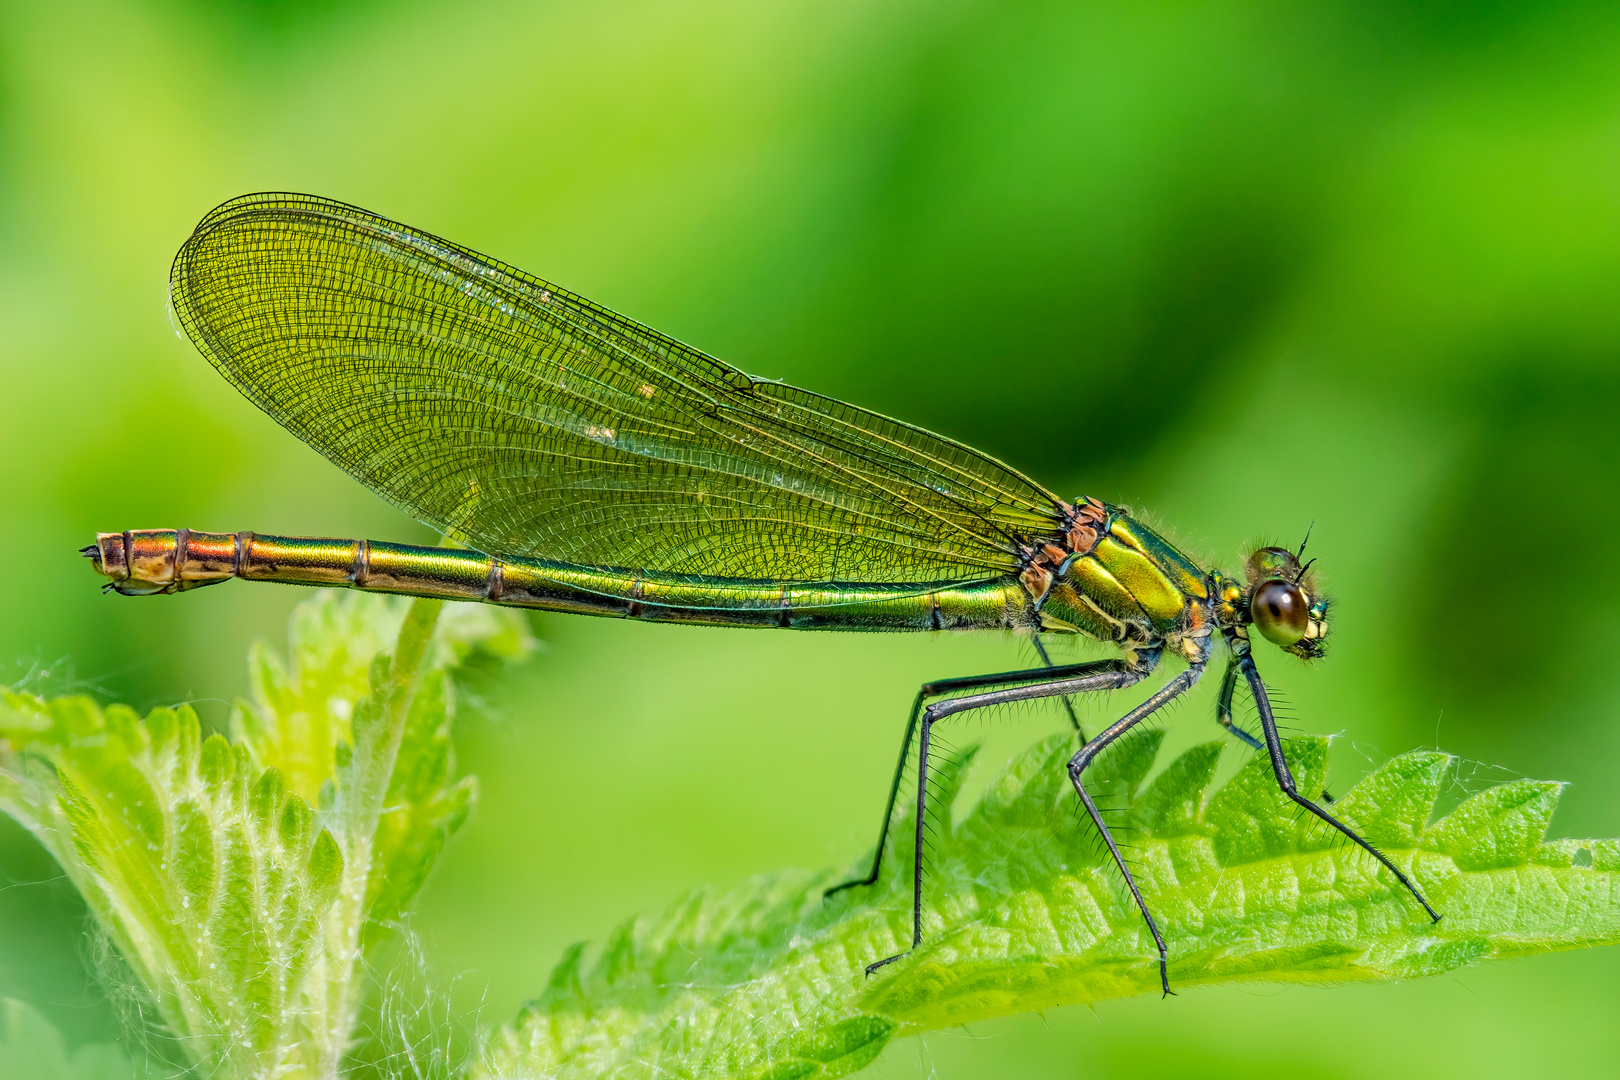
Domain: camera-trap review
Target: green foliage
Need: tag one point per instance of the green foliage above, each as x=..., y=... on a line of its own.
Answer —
x=766, y=980
x=240, y=901
x=299, y=711
x=212, y=879
x=244, y=879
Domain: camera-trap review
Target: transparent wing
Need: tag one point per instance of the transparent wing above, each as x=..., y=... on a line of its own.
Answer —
x=529, y=421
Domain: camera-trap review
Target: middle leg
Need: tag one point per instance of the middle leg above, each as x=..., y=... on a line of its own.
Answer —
x=1088, y=753
x=1068, y=702
x=938, y=687
x=1102, y=675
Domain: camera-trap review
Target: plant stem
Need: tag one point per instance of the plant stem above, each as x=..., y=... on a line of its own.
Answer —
x=360, y=806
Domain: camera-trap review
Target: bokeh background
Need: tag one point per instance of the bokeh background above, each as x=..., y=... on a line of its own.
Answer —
x=1243, y=265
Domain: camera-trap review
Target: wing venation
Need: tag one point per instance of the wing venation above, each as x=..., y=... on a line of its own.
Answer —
x=528, y=421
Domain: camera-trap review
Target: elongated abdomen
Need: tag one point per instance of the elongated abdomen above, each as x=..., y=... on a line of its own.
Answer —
x=146, y=561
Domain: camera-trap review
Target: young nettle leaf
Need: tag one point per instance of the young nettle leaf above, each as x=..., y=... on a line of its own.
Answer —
x=766, y=981
x=337, y=693
x=299, y=711
x=425, y=804
x=212, y=879
x=240, y=880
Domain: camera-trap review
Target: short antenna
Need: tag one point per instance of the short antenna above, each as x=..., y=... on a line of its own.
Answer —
x=1300, y=554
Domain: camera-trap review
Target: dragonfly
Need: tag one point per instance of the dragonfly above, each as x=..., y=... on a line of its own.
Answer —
x=586, y=463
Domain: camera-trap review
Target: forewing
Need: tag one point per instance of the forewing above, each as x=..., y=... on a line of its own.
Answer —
x=526, y=420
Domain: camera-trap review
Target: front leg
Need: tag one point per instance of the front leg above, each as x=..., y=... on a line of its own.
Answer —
x=1285, y=777
x=1223, y=706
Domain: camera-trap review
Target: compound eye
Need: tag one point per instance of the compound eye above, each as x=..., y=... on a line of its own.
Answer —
x=1280, y=611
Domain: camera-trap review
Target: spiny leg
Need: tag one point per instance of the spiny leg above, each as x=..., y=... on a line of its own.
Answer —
x=1223, y=713
x=1068, y=702
x=1223, y=706
x=1285, y=778
x=948, y=686
x=1077, y=765
x=1101, y=675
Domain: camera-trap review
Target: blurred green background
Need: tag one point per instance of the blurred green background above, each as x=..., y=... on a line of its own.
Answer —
x=1242, y=265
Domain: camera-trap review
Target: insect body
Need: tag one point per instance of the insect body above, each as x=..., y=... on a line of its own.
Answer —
x=595, y=466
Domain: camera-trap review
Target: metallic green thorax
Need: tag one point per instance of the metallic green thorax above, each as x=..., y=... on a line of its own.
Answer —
x=1131, y=587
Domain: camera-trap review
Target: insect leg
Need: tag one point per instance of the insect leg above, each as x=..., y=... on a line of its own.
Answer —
x=1285, y=778
x=1223, y=706
x=1223, y=713
x=947, y=686
x=1077, y=765
x=1076, y=679
x=1068, y=702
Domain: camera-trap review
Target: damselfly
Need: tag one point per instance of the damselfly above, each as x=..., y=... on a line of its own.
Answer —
x=593, y=465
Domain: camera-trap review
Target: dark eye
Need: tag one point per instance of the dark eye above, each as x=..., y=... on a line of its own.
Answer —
x=1280, y=611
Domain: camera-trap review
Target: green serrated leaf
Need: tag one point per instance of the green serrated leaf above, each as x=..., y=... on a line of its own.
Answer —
x=1173, y=803
x=838, y=1050
x=1024, y=792
x=767, y=980
x=226, y=891
x=1501, y=826
x=1254, y=820
x=198, y=869
x=1125, y=763
x=1391, y=806
x=1605, y=854
x=299, y=713
x=338, y=691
